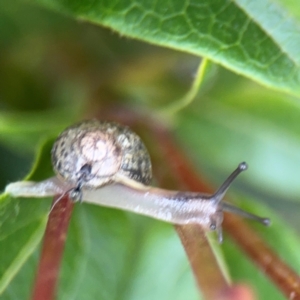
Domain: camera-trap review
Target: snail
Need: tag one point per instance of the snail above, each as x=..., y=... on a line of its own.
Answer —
x=107, y=164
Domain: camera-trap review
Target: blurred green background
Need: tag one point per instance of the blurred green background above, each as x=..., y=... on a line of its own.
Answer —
x=55, y=70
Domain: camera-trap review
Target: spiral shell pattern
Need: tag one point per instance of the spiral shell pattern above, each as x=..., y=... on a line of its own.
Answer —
x=107, y=148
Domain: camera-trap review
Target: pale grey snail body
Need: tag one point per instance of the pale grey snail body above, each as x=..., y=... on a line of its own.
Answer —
x=107, y=164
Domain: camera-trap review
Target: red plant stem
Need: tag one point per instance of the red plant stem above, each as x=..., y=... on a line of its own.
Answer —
x=269, y=262
x=208, y=274
x=52, y=250
x=245, y=237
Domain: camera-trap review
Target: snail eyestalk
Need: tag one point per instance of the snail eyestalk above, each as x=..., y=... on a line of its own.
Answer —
x=219, y=194
x=238, y=211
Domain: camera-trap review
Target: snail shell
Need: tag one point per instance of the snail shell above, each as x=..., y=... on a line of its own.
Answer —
x=94, y=153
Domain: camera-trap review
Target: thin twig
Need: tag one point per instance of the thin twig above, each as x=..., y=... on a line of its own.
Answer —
x=190, y=96
x=52, y=250
x=264, y=257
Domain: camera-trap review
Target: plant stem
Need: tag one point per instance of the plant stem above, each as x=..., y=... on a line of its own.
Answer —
x=188, y=98
x=286, y=280
x=268, y=261
x=52, y=250
x=209, y=275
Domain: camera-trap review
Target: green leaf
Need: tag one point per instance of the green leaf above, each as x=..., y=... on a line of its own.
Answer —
x=292, y=6
x=22, y=131
x=18, y=246
x=22, y=223
x=114, y=255
x=242, y=35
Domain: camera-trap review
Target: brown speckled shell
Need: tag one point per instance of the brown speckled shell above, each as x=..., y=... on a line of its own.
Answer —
x=109, y=149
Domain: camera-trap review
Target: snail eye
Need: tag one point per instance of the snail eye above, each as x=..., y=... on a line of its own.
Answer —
x=85, y=171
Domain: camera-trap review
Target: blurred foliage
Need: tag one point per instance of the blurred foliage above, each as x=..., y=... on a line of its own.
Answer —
x=55, y=70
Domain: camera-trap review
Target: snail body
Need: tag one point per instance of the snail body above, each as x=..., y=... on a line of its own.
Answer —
x=107, y=164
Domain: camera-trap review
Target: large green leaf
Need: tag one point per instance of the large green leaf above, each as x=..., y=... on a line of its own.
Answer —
x=22, y=223
x=116, y=257
x=250, y=37
x=292, y=6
